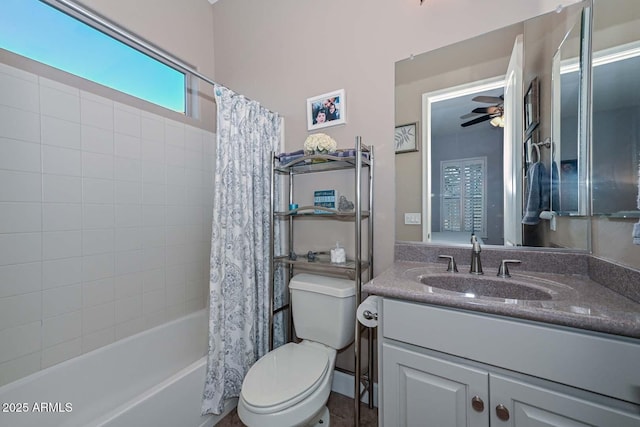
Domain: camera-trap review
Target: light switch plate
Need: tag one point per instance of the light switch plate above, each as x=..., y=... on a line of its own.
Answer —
x=412, y=218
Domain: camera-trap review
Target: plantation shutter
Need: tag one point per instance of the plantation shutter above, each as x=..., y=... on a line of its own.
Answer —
x=463, y=195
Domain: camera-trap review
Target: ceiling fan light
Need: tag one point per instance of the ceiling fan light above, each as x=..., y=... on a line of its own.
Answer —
x=497, y=121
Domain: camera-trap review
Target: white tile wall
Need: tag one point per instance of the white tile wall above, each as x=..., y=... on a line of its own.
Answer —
x=19, y=93
x=20, y=367
x=61, y=244
x=20, y=186
x=24, y=339
x=61, y=272
x=61, y=352
x=105, y=215
x=61, y=300
x=98, y=339
x=19, y=279
x=61, y=216
x=61, y=133
x=20, y=217
x=19, y=124
x=97, y=140
x=61, y=189
x=19, y=155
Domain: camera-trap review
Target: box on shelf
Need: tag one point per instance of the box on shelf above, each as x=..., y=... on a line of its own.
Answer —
x=326, y=199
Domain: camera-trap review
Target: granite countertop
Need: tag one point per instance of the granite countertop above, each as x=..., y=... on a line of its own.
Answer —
x=576, y=301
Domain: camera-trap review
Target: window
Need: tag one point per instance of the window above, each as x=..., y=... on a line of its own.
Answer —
x=463, y=191
x=38, y=31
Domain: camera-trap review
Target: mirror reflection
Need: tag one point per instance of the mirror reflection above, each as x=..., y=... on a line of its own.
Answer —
x=467, y=167
x=566, y=70
x=616, y=108
x=470, y=174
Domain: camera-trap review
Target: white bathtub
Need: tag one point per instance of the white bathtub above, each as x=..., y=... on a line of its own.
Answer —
x=154, y=378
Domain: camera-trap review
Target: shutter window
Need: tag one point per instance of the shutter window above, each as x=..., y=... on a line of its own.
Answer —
x=463, y=206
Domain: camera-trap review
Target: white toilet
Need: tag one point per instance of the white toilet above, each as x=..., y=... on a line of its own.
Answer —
x=290, y=385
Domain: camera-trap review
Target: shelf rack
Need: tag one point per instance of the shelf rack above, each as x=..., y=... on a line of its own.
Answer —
x=355, y=269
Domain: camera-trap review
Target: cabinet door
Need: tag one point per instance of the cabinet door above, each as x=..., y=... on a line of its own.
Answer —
x=517, y=404
x=424, y=391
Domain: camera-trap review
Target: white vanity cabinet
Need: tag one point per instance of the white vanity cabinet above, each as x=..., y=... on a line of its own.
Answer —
x=445, y=367
x=527, y=405
x=421, y=390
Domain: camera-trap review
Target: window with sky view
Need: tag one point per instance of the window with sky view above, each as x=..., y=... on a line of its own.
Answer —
x=38, y=31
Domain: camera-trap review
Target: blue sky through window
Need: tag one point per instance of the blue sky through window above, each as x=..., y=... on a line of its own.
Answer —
x=33, y=29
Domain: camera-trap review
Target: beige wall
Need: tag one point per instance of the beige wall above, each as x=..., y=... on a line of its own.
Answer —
x=282, y=52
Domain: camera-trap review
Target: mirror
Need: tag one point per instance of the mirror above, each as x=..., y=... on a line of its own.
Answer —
x=616, y=108
x=569, y=193
x=447, y=87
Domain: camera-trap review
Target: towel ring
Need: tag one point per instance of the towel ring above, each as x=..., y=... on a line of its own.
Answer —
x=537, y=151
x=546, y=143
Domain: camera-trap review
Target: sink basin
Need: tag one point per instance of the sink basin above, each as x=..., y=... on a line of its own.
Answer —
x=481, y=286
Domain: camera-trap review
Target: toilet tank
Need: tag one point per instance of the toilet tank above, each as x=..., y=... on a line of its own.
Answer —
x=324, y=309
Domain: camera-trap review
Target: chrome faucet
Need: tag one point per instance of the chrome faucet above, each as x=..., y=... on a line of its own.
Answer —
x=503, y=270
x=452, y=267
x=476, y=265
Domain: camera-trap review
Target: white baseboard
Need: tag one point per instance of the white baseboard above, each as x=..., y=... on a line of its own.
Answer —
x=343, y=384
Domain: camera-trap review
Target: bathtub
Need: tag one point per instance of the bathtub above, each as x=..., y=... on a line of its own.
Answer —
x=154, y=378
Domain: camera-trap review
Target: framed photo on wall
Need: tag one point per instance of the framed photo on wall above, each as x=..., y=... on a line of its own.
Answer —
x=328, y=109
x=406, y=138
x=531, y=109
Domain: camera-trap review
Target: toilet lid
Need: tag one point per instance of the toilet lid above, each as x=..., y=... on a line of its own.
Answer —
x=288, y=374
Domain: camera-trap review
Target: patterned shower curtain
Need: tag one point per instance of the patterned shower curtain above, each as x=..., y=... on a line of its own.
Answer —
x=240, y=270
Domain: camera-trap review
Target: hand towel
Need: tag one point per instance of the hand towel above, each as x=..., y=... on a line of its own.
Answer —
x=537, y=193
x=289, y=157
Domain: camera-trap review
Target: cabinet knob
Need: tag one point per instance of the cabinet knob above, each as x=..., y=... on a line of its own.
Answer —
x=502, y=412
x=477, y=404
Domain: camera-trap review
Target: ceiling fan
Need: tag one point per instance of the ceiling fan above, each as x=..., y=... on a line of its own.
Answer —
x=494, y=113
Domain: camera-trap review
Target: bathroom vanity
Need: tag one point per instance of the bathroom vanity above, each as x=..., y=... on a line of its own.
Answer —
x=567, y=358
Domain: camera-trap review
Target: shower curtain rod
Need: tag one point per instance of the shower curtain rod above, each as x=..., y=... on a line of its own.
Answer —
x=76, y=9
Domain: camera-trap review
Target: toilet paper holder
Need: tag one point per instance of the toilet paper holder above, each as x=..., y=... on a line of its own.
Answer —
x=369, y=315
x=367, y=312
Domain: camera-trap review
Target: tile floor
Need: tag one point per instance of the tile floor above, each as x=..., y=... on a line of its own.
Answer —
x=341, y=408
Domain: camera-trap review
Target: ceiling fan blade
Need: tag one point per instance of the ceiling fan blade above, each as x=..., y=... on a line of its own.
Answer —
x=469, y=115
x=474, y=121
x=486, y=110
x=489, y=99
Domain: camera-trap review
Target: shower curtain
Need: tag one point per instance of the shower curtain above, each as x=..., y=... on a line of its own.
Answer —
x=239, y=277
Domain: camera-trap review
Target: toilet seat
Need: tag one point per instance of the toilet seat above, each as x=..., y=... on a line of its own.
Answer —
x=284, y=377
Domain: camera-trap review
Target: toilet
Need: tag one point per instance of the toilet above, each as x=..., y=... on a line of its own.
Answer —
x=290, y=385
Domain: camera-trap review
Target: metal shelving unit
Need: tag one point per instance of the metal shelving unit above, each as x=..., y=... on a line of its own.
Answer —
x=355, y=269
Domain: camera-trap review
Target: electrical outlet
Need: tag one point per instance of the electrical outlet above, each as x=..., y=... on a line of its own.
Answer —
x=412, y=218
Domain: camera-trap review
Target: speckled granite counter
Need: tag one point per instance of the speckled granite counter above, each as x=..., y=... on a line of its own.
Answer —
x=582, y=303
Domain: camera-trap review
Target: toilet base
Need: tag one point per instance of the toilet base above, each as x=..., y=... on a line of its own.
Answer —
x=322, y=420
